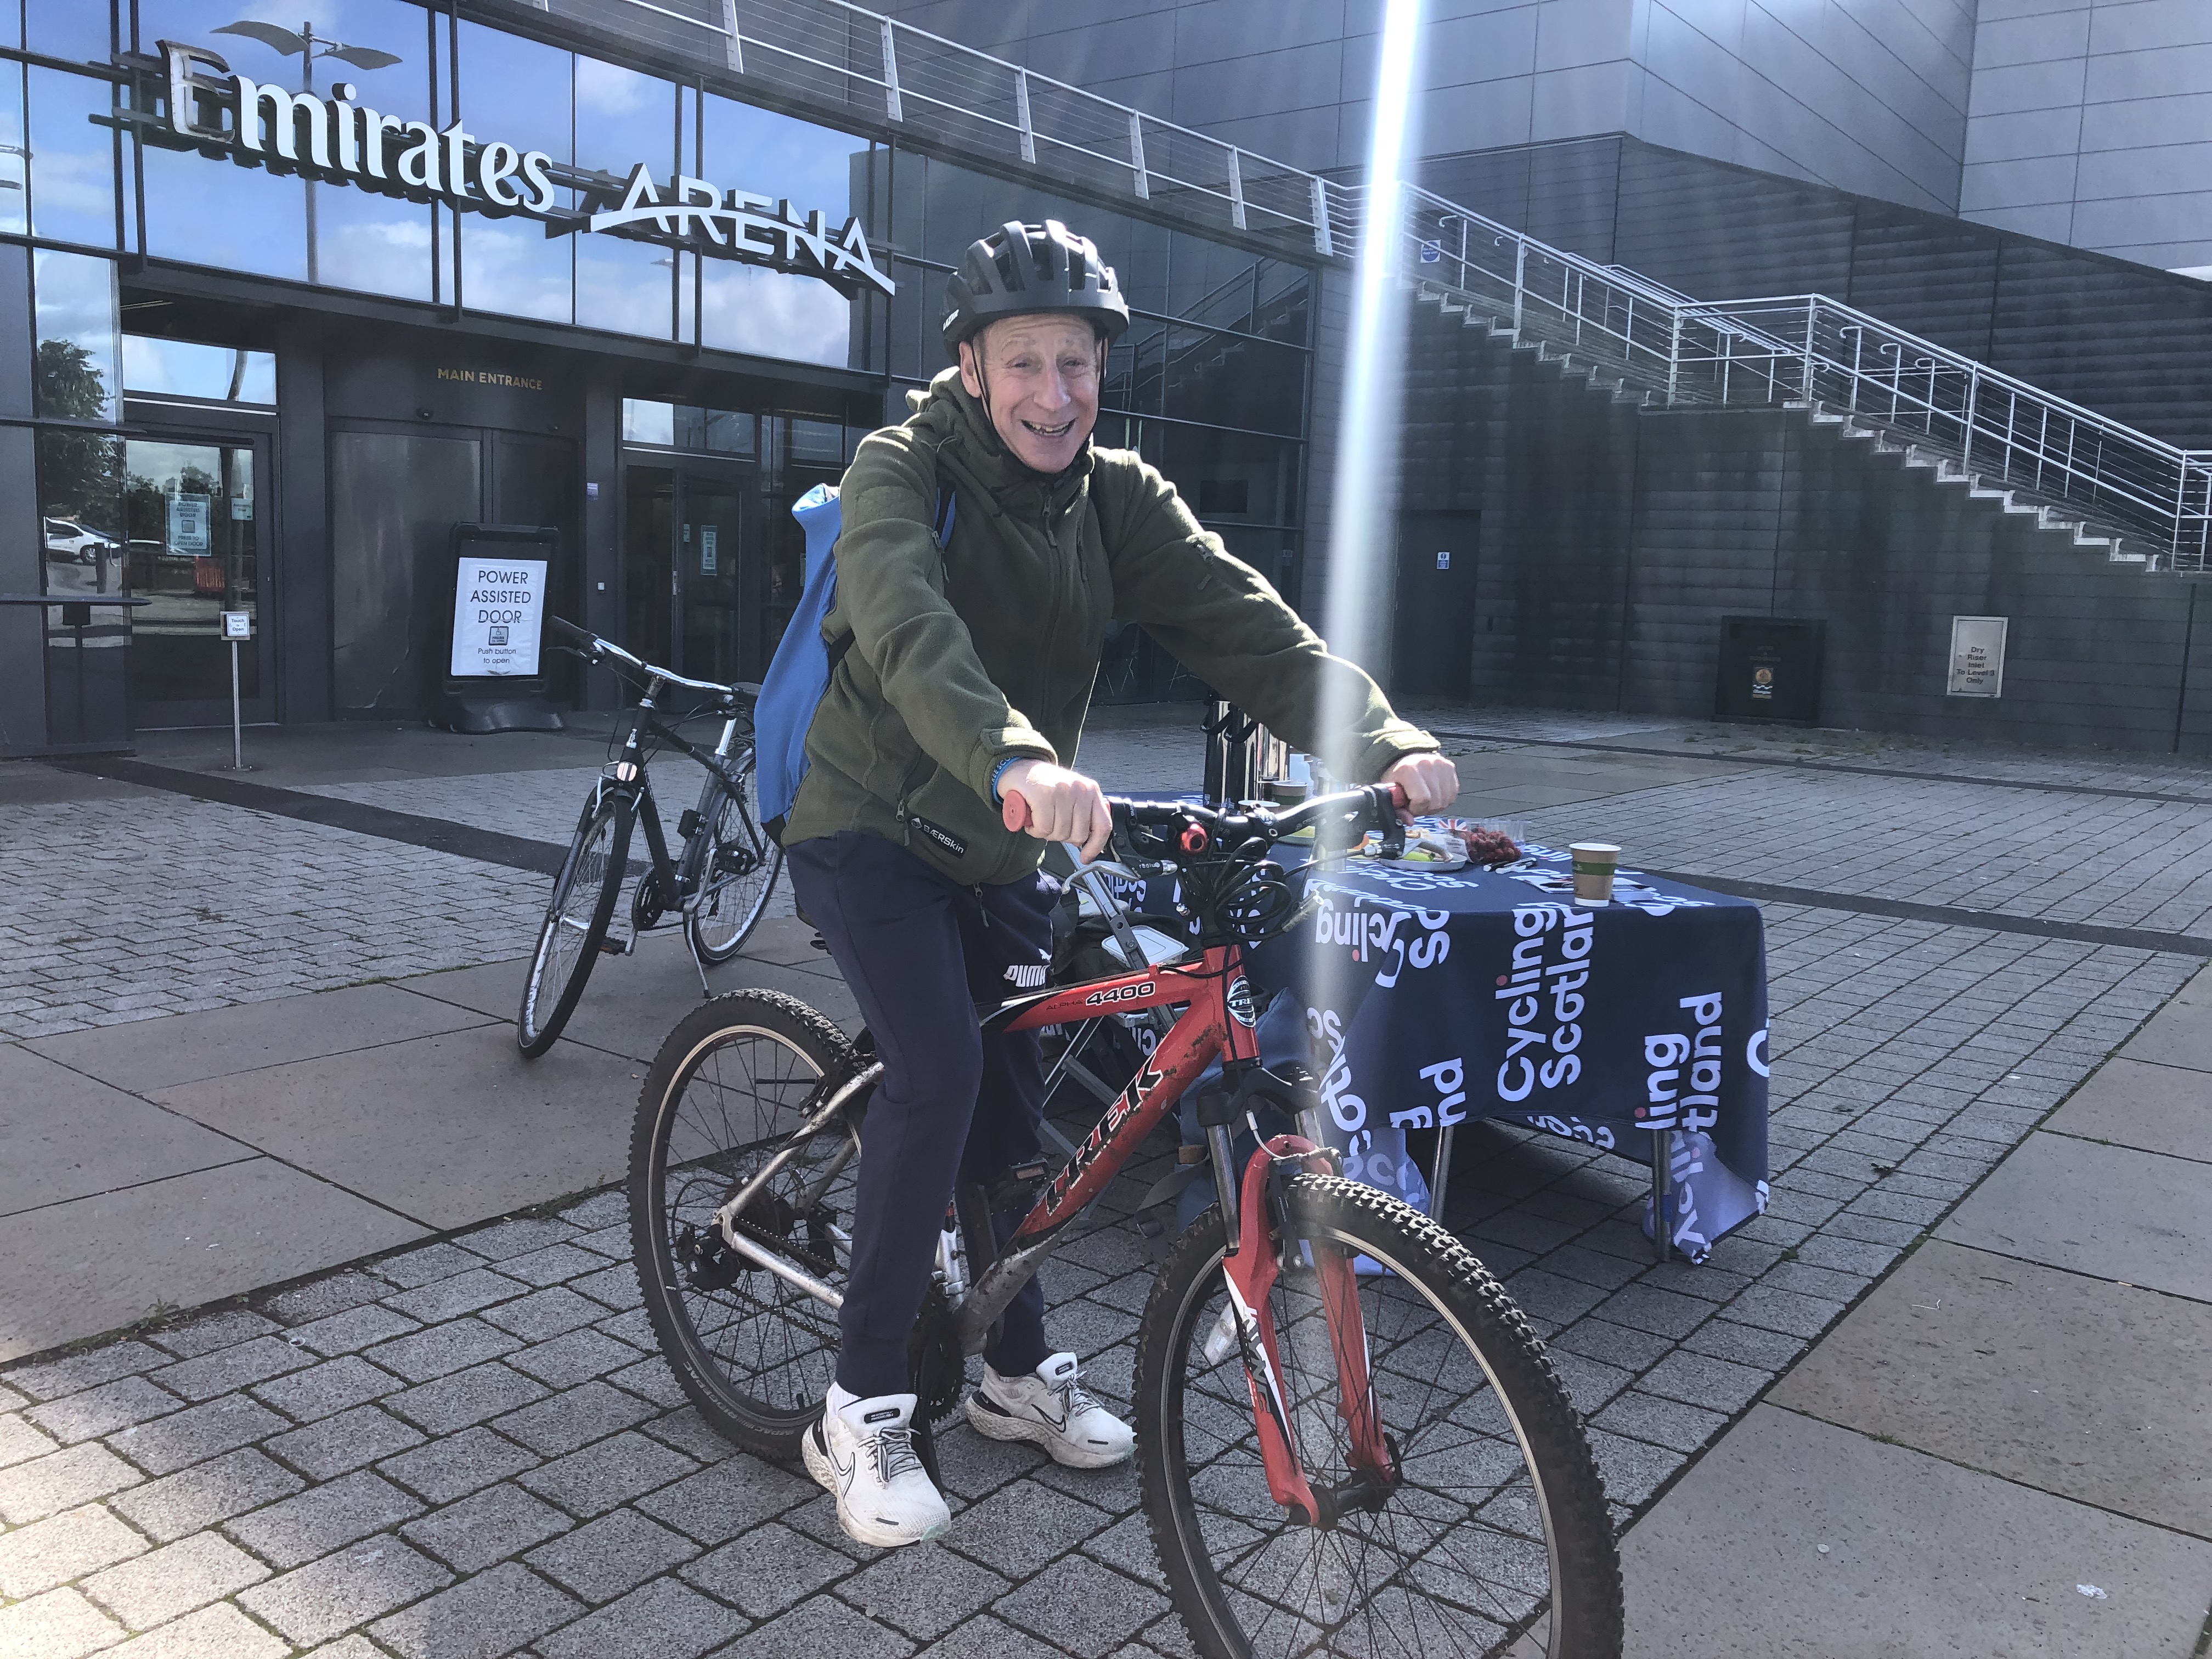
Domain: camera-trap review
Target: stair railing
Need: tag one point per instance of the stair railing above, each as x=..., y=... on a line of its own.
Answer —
x=1810, y=350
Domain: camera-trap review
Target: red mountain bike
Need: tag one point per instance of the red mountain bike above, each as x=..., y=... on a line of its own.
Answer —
x=1334, y=1459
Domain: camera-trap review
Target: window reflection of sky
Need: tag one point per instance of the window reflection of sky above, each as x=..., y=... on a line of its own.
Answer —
x=624, y=118
x=13, y=204
x=74, y=31
x=245, y=219
x=186, y=368
x=72, y=162
x=517, y=92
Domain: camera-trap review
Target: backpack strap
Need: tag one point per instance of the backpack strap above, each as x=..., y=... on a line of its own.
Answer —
x=940, y=527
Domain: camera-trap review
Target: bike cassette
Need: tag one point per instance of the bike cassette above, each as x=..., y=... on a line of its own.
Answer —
x=707, y=1261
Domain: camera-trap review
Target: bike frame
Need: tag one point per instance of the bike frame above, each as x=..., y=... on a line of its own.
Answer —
x=1220, y=1021
x=627, y=775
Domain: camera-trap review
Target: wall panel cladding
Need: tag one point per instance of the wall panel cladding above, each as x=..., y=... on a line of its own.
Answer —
x=2126, y=341
x=1720, y=232
x=1613, y=540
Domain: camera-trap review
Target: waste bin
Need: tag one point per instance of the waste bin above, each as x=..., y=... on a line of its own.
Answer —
x=1770, y=669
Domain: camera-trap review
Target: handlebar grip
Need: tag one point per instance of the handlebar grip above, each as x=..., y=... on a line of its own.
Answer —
x=563, y=626
x=1399, y=798
x=1014, y=812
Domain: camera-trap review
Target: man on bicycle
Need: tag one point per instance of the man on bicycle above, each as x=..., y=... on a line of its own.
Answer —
x=964, y=687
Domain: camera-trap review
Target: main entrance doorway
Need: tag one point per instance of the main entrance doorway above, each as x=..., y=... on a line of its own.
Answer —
x=1432, y=646
x=396, y=494
x=195, y=528
x=697, y=597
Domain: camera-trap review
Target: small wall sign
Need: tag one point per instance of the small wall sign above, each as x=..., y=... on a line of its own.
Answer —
x=1977, y=655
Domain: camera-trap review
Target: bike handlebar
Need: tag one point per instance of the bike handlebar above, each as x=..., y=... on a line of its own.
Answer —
x=1194, y=831
x=594, y=649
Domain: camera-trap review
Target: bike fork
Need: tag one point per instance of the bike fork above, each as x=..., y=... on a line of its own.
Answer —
x=1260, y=1241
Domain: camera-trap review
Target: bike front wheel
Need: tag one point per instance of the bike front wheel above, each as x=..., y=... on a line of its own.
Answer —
x=1491, y=1532
x=575, y=923
x=732, y=1088
x=737, y=870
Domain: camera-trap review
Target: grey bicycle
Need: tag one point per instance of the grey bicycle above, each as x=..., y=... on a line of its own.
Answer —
x=719, y=883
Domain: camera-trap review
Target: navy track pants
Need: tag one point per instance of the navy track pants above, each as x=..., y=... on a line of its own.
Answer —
x=918, y=952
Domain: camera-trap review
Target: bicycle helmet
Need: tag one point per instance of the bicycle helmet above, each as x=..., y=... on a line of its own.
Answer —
x=1022, y=269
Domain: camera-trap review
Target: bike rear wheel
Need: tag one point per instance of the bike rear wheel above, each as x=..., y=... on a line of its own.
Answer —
x=733, y=1085
x=1495, y=1532
x=575, y=923
x=737, y=870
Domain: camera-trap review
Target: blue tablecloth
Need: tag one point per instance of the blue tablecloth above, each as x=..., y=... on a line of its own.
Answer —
x=1435, y=998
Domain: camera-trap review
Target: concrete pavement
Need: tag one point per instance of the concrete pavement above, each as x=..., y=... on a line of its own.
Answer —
x=2006, y=1448
x=464, y=1437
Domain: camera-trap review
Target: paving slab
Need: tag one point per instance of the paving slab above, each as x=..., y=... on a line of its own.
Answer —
x=68, y=1136
x=2153, y=1109
x=2179, y=1034
x=446, y=1129
x=157, y=1054
x=76, y=1269
x=2076, y=1386
x=2112, y=1211
x=1922, y=1559
x=632, y=1003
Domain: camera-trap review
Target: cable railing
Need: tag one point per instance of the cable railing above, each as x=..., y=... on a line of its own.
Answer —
x=1811, y=351
x=849, y=61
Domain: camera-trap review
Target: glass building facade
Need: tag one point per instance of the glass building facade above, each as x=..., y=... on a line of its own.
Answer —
x=285, y=298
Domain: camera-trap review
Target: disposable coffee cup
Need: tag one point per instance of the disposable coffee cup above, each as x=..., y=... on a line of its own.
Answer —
x=1595, y=862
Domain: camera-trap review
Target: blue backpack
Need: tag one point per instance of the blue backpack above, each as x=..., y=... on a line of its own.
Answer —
x=798, y=674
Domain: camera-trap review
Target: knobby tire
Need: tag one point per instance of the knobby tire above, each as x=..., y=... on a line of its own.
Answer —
x=730, y=1086
x=1505, y=1466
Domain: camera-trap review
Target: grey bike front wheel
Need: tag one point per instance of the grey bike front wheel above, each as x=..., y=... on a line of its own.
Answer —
x=738, y=868
x=575, y=924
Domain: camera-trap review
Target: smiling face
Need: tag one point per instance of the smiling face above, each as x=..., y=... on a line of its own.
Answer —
x=1042, y=372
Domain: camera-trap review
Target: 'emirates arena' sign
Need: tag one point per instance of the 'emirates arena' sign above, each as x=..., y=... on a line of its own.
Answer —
x=341, y=142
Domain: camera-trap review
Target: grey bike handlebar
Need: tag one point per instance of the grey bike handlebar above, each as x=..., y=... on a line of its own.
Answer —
x=596, y=649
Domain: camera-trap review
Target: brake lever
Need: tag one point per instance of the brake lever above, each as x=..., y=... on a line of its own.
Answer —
x=1389, y=798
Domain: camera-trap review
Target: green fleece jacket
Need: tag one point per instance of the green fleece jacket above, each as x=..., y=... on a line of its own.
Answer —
x=987, y=651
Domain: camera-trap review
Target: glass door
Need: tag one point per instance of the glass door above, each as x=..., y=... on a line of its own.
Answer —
x=719, y=609
x=194, y=519
x=693, y=585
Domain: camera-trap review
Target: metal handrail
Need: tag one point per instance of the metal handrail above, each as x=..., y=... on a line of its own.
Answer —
x=911, y=77
x=1979, y=424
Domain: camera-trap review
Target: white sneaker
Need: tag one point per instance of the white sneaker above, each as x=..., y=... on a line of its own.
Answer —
x=862, y=1453
x=1048, y=1406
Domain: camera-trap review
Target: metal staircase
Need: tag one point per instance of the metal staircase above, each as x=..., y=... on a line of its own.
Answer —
x=2114, y=490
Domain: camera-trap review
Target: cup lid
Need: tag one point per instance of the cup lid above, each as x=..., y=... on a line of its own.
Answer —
x=1593, y=847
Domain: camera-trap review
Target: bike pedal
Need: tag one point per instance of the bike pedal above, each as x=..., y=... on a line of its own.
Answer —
x=617, y=947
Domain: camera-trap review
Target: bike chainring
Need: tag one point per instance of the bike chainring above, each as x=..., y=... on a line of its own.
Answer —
x=934, y=1360
x=646, y=905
